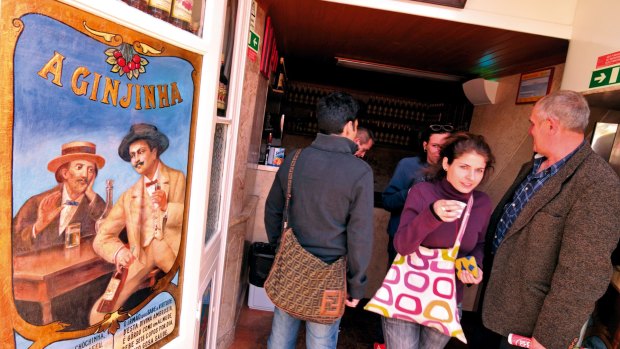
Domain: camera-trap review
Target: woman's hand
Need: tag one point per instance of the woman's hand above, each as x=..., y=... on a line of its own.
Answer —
x=449, y=210
x=468, y=278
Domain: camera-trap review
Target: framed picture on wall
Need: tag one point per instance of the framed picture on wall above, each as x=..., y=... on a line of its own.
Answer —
x=98, y=126
x=534, y=85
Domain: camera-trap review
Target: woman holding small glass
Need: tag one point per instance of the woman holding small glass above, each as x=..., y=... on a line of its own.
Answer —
x=432, y=212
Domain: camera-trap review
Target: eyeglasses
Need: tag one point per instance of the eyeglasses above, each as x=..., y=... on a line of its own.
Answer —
x=446, y=128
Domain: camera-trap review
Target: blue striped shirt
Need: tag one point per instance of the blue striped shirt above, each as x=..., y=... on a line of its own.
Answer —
x=532, y=183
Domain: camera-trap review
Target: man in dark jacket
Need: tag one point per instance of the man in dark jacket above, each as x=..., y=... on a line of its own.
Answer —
x=409, y=172
x=331, y=211
x=556, y=229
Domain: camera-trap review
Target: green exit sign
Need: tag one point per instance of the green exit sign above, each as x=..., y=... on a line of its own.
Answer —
x=604, y=77
x=254, y=40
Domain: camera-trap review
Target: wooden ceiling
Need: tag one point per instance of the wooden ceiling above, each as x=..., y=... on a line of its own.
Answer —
x=310, y=33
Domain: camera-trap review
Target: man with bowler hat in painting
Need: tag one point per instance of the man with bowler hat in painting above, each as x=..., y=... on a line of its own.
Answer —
x=151, y=211
x=43, y=219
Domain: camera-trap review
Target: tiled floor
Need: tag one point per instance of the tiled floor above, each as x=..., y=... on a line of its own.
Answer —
x=358, y=330
x=359, y=327
x=252, y=329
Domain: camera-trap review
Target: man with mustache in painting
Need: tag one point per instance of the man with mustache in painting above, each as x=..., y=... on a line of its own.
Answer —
x=43, y=219
x=151, y=211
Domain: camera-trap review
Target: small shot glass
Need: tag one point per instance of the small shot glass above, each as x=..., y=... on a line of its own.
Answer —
x=72, y=235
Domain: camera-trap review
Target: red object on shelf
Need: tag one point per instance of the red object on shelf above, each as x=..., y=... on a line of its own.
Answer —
x=265, y=51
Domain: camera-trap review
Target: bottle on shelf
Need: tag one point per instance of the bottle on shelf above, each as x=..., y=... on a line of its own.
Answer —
x=222, y=91
x=109, y=197
x=266, y=134
x=181, y=14
x=110, y=296
x=141, y=5
x=160, y=9
x=281, y=128
x=268, y=148
x=280, y=76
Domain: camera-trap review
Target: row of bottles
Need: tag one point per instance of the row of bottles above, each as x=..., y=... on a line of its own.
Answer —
x=377, y=108
x=387, y=137
x=385, y=133
x=395, y=121
x=404, y=110
x=308, y=95
x=176, y=12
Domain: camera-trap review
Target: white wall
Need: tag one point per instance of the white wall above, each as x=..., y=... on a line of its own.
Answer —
x=595, y=33
x=544, y=17
x=553, y=11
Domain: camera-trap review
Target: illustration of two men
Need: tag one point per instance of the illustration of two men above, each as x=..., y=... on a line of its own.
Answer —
x=151, y=211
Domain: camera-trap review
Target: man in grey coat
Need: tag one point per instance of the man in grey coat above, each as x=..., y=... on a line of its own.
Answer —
x=331, y=212
x=559, y=223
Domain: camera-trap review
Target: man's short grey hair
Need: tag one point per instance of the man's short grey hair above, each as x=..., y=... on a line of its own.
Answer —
x=569, y=107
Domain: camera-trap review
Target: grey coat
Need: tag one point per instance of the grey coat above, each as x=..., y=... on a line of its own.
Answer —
x=331, y=207
x=554, y=262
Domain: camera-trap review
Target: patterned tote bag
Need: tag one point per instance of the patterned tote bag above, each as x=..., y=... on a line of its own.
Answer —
x=421, y=287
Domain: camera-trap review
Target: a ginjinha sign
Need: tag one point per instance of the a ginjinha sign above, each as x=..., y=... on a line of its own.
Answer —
x=85, y=102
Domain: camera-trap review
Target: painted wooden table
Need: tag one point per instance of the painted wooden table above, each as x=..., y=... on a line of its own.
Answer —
x=44, y=275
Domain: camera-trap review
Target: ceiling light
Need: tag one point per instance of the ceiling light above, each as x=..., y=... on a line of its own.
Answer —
x=392, y=69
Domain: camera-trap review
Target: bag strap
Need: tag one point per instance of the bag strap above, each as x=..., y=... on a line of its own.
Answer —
x=464, y=221
x=289, y=185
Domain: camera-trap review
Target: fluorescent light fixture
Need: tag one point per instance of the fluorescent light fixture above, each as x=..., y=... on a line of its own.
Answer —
x=392, y=69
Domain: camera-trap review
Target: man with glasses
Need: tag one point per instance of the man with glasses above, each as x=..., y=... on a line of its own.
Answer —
x=409, y=172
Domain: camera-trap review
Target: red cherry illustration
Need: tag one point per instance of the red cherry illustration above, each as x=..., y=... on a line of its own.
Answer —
x=136, y=59
x=126, y=69
x=121, y=61
x=117, y=54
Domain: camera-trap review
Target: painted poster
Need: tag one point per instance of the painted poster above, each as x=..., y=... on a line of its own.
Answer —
x=96, y=136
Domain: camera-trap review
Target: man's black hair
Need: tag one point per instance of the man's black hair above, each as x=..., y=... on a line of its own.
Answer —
x=334, y=111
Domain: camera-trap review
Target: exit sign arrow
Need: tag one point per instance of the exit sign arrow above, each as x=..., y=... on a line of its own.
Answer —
x=604, y=77
x=600, y=78
x=253, y=41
